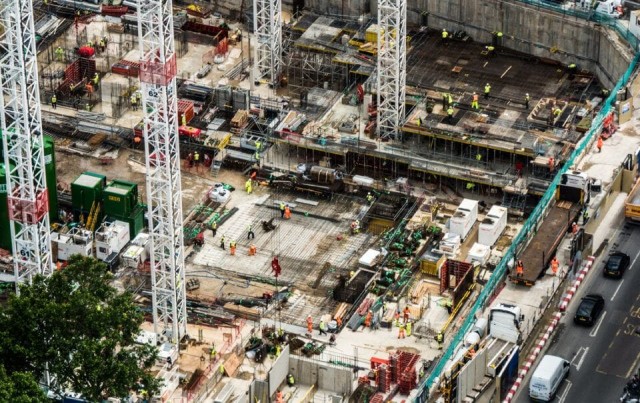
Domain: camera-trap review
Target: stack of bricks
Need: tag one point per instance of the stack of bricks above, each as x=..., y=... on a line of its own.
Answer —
x=377, y=398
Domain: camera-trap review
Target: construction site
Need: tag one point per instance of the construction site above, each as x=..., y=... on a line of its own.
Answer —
x=336, y=190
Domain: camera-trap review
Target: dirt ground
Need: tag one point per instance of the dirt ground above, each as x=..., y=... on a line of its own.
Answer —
x=128, y=166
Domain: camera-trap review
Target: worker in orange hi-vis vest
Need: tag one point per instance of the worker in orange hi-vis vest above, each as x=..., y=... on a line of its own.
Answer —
x=599, y=144
x=519, y=269
x=555, y=265
x=309, y=324
x=287, y=213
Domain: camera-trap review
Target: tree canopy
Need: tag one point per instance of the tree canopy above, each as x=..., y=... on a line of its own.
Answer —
x=20, y=387
x=76, y=324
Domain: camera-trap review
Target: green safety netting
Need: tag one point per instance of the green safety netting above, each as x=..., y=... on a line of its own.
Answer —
x=529, y=227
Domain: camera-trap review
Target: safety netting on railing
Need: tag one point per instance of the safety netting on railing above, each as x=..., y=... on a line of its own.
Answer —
x=571, y=9
x=528, y=229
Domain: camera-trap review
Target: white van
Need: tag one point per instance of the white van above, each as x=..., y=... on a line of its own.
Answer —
x=547, y=378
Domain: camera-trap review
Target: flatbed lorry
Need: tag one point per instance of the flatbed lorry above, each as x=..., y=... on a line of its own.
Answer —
x=632, y=204
x=542, y=247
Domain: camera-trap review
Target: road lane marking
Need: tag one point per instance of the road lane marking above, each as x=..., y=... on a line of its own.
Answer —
x=634, y=260
x=600, y=371
x=582, y=352
x=635, y=362
x=595, y=331
x=617, y=289
x=565, y=392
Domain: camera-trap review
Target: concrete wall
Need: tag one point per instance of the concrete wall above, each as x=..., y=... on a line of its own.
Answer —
x=526, y=29
x=325, y=376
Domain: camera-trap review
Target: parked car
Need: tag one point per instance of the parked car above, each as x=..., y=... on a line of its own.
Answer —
x=616, y=265
x=590, y=308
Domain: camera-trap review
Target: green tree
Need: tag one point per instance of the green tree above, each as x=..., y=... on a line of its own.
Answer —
x=76, y=324
x=20, y=387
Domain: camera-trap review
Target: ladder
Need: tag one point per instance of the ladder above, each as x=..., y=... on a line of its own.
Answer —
x=93, y=208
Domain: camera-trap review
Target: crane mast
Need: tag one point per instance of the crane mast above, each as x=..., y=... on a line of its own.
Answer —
x=23, y=149
x=392, y=67
x=164, y=195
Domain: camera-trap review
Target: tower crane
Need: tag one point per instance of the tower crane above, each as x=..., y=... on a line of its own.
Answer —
x=267, y=25
x=392, y=66
x=21, y=125
x=158, y=70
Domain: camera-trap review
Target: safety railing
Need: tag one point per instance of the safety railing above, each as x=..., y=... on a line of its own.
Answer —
x=568, y=9
x=528, y=228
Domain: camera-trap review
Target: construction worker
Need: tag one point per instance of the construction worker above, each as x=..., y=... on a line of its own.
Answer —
x=59, y=53
x=555, y=265
x=585, y=216
x=252, y=250
x=369, y=198
x=257, y=156
x=221, y=369
x=419, y=122
x=450, y=114
x=445, y=35
x=470, y=186
x=134, y=102
x=89, y=88
x=248, y=186
x=527, y=98
x=54, y=101
x=290, y=380
x=440, y=340
x=96, y=80
x=556, y=112
x=405, y=314
x=278, y=350
x=102, y=45
x=574, y=228
x=367, y=319
x=214, y=228
x=213, y=352
x=250, y=234
x=474, y=102
x=449, y=99
x=222, y=242
x=401, y=333
x=571, y=70
x=339, y=322
x=322, y=327
x=445, y=100
x=552, y=164
x=490, y=50
x=287, y=212
x=196, y=158
x=478, y=157
x=258, y=145
x=183, y=119
x=408, y=328
x=282, y=209
x=232, y=248
x=487, y=91
x=279, y=397
x=519, y=269
x=90, y=44
x=309, y=324
x=599, y=144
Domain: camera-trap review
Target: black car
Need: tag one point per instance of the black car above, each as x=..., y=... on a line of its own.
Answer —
x=617, y=264
x=589, y=310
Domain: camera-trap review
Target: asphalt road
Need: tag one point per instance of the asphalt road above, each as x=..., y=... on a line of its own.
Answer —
x=604, y=356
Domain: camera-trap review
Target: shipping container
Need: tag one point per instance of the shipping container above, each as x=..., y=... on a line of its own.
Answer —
x=85, y=190
x=120, y=198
